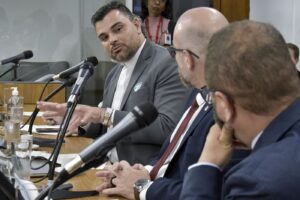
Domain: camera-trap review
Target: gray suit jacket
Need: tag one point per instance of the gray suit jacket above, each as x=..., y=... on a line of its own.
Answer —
x=154, y=79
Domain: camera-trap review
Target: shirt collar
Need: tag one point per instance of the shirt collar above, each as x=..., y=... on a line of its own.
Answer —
x=132, y=61
x=254, y=141
x=199, y=99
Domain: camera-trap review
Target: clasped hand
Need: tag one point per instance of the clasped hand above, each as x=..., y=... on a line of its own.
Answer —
x=118, y=179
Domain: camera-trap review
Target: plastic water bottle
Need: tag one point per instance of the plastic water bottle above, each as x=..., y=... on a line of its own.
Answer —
x=14, y=117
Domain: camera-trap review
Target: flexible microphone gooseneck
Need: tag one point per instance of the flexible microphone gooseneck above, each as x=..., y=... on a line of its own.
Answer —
x=66, y=73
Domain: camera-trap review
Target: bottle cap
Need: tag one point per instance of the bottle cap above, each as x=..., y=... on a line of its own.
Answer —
x=15, y=91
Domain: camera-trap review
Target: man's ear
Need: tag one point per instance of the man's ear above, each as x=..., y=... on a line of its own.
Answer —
x=224, y=107
x=137, y=23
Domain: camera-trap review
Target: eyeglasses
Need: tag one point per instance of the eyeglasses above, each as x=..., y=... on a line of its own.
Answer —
x=172, y=50
x=209, y=96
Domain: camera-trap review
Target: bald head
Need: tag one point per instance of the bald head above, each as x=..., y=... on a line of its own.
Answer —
x=195, y=27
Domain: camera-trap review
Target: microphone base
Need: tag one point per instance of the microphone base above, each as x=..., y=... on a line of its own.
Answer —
x=65, y=194
x=44, y=142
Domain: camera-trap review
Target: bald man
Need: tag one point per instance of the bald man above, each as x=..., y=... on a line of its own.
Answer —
x=163, y=179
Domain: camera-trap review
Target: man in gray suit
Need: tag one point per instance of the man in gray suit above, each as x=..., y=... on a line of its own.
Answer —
x=145, y=73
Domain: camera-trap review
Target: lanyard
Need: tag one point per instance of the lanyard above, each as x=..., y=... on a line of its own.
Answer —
x=157, y=29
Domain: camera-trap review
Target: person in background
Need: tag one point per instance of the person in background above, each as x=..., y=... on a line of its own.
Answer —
x=156, y=22
x=145, y=73
x=294, y=52
x=163, y=178
x=255, y=93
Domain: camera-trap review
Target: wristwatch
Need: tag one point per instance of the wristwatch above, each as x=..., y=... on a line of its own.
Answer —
x=138, y=186
x=107, y=115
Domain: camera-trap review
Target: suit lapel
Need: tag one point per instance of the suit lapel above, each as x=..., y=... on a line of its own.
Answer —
x=113, y=86
x=141, y=65
x=206, y=109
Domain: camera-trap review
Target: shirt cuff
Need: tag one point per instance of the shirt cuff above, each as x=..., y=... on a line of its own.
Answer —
x=144, y=191
x=204, y=164
x=148, y=168
x=112, y=119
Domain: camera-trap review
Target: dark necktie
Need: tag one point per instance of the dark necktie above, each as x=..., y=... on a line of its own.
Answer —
x=174, y=141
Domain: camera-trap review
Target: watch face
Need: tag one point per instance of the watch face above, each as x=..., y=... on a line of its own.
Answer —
x=139, y=184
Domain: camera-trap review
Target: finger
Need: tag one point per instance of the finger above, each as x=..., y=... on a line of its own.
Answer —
x=46, y=105
x=111, y=191
x=49, y=114
x=124, y=163
x=103, y=173
x=226, y=136
x=102, y=187
x=138, y=166
x=74, y=124
x=117, y=167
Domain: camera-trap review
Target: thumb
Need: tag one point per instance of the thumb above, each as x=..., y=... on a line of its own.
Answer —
x=226, y=136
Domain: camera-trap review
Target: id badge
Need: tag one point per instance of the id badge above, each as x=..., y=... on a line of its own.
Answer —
x=168, y=39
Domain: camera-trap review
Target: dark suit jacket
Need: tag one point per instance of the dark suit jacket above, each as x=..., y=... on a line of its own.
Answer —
x=272, y=171
x=154, y=79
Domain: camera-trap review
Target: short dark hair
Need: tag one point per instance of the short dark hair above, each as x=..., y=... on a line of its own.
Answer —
x=294, y=48
x=114, y=5
x=249, y=62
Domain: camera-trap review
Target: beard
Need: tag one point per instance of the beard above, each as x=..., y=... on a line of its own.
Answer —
x=125, y=54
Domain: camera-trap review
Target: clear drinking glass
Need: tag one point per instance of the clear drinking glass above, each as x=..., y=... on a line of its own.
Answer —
x=23, y=153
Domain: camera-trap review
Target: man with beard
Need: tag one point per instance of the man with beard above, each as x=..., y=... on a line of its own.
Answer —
x=145, y=73
x=163, y=179
x=255, y=92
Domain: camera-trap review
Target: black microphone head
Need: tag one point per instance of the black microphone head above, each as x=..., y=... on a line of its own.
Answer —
x=145, y=113
x=92, y=60
x=27, y=54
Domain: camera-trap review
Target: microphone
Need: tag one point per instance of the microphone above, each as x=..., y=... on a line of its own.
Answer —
x=25, y=55
x=139, y=117
x=66, y=73
x=85, y=72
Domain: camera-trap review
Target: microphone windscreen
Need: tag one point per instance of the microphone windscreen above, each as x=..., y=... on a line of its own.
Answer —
x=28, y=54
x=145, y=113
x=92, y=60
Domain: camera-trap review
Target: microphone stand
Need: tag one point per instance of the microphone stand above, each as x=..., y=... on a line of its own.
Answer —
x=14, y=67
x=86, y=71
x=43, y=141
x=61, y=135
